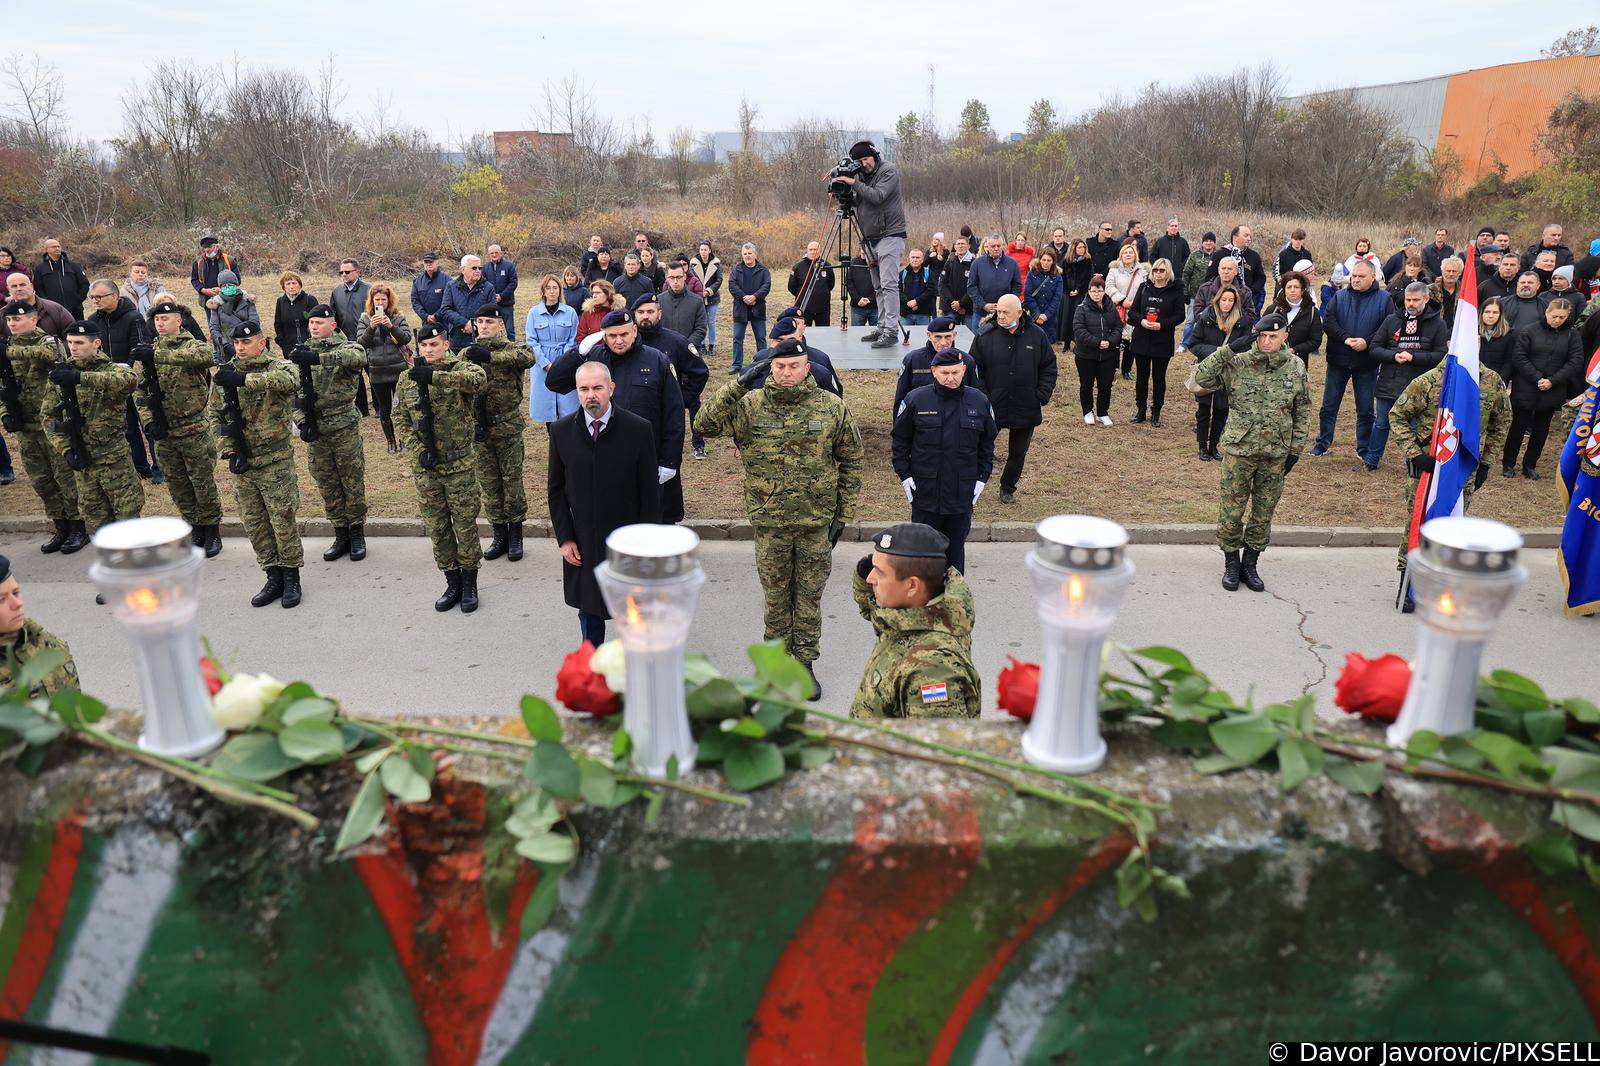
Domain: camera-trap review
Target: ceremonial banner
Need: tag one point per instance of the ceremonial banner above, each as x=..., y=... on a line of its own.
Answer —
x=1579, y=554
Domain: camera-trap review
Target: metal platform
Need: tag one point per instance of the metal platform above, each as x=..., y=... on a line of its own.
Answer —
x=849, y=352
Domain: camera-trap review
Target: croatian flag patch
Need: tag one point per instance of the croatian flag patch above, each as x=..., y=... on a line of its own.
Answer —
x=935, y=692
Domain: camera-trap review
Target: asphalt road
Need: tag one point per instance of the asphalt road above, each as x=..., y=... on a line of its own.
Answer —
x=367, y=632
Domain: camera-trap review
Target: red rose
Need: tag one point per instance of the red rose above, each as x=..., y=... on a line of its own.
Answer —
x=1019, y=688
x=208, y=670
x=1372, y=688
x=581, y=689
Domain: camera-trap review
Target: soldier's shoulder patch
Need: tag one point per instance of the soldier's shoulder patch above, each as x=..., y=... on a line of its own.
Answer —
x=935, y=692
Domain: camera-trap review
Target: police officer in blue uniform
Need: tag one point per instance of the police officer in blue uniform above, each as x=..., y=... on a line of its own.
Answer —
x=944, y=451
x=791, y=324
x=686, y=362
x=916, y=370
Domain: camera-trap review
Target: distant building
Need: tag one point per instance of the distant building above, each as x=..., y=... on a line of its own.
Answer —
x=716, y=147
x=1486, y=117
x=507, y=143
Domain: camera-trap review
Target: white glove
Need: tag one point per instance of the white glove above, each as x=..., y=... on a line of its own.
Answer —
x=977, y=490
x=587, y=344
x=665, y=474
x=910, y=485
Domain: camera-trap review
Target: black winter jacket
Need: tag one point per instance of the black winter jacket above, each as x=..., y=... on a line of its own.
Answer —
x=1495, y=353
x=1166, y=304
x=1093, y=323
x=122, y=329
x=290, y=320
x=1542, y=352
x=1305, y=332
x=1018, y=371
x=1426, y=338
x=1208, y=335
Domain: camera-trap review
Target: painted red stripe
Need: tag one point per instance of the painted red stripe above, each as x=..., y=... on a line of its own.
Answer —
x=1111, y=852
x=905, y=865
x=43, y=925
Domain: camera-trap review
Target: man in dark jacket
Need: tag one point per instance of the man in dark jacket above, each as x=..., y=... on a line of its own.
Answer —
x=1103, y=248
x=1017, y=367
x=427, y=289
x=211, y=261
x=748, y=285
x=1293, y=250
x=633, y=282
x=1503, y=282
x=60, y=279
x=944, y=451
x=462, y=298
x=602, y=476
x=815, y=306
x=692, y=377
x=1406, y=346
x=681, y=308
x=1135, y=233
x=122, y=329
x=349, y=299
x=861, y=285
x=501, y=273
x=1434, y=254
x=953, y=298
x=1172, y=246
x=882, y=216
x=1251, y=270
x=1350, y=319
x=916, y=369
x=1395, y=265
x=993, y=275
x=54, y=319
x=1550, y=241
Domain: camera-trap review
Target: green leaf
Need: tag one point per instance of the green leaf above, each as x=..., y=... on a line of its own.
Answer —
x=542, y=901
x=312, y=742
x=76, y=709
x=1516, y=692
x=714, y=746
x=541, y=719
x=1459, y=752
x=807, y=755
x=1581, y=709
x=37, y=668
x=717, y=698
x=1569, y=767
x=1134, y=884
x=652, y=806
x=366, y=813
x=772, y=716
x=421, y=760
x=1186, y=696
x=596, y=783
x=1190, y=737
x=697, y=670
x=672, y=767
x=309, y=709
x=1511, y=758
x=744, y=727
x=255, y=757
x=1245, y=738
x=369, y=761
x=1358, y=776
x=1423, y=744
x=1553, y=852
x=403, y=782
x=18, y=717
x=621, y=743
x=533, y=816
x=781, y=670
x=553, y=848
x=750, y=766
x=1581, y=818
x=1298, y=759
x=1217, y=764
x=1545, y=727
x=1168, y=656
x=553, y=769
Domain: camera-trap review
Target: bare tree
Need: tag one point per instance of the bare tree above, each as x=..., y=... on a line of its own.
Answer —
x=33, y=112
x=801, y=156
x=166, y=126
x=576, y=173
x=747, y=172
x=680, y=156
x=264, y=121
x=1252, y=97
x=82, y=194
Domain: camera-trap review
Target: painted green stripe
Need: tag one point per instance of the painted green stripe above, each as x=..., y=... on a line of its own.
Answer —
x=30, y=871
x=77, y=907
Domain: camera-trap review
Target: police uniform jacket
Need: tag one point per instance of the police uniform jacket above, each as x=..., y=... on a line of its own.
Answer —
x=944, y=439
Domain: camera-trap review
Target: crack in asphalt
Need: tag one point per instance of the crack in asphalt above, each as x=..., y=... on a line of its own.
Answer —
x=1311, y=643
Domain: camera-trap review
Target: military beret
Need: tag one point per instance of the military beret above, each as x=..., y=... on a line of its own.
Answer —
x=84, y=329
x=642, y=299
x=788, y=348
x=784, y=327
x=942, y=324
x=16, y=309
x=1271, y=323
x=948, y=357
x=432, y=329
x=5, y=568
x=489, y=311
x=321, y=311
x=246, y=329
x=166, y=307
x=790, y=312
x=911, y=540
x=616, y=318
x=430, y=257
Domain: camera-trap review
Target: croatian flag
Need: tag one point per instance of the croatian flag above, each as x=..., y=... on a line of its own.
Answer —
x=1579, y=556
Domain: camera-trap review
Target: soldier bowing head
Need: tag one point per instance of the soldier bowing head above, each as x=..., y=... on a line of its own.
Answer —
x=942, y=333
x=949, y=369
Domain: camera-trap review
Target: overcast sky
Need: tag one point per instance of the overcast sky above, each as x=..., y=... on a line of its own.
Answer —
x=454, y=69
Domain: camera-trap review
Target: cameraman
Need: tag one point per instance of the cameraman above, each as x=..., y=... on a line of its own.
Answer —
x=882, y=216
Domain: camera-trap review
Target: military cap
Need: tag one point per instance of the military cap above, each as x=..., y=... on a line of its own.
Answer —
x=432, y=329
x=321, y=311
x=1271, y=323
x=642, y=299
x=166, y=307
x=84, y=329
x=16, y=309
x=617, y=318
x=430, y=257
x=911, y=540
x=246, y=329
x=5, y=568
x=948, y=357
x=942, y=324
x=784, y=327
x=790, y=312
x=789, y=348
x=489, y=311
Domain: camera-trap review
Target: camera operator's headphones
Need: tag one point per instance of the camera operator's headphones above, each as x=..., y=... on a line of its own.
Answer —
x=862, y=149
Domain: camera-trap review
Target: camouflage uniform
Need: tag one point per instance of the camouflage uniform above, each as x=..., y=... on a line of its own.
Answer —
x=500, y=453
x=108, y=488
x=921, y=666
x=33, y=354
x=447, y=494
x=188, y=453
x=27, y=642
x=1270, y=416
x=267, y=494
x=1411, y=424
x=338, y=464
x=802, y=462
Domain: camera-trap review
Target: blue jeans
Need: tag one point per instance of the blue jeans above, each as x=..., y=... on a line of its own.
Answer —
x=973, y=320
x=759, y=325
x=915, y=318
x=863, y=316
x=711, y=327
x=1380, y=433
x=592, y=627
x=1189, y=324
x=1366, y=387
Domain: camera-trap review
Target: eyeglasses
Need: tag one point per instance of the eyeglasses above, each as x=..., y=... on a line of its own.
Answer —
x=343, y=272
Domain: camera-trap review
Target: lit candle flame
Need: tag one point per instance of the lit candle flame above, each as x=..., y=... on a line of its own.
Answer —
x=1075, y=590
x=633, y=612
x=143, y=601
x=1447, y=604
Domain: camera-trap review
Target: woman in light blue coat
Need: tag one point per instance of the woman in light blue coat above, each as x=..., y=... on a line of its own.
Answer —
x=551, y=329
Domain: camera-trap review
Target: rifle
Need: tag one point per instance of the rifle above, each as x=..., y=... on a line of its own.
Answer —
x=308, y=397
x=480, y=403
x=14, y=416
x=233, y=428
x=68, y=415
x=425, y=425
x=155, y=399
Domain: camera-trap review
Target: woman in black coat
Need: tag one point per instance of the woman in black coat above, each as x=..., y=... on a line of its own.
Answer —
x=1495, y=339
x=1155, y=315
x=1097, y=332
x=1076, y=270
x=291, y=317
x=1546, y=360
x=1222, y=323
x=1294, y=303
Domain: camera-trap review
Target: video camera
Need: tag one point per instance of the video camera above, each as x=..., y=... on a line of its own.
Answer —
x=843, y=191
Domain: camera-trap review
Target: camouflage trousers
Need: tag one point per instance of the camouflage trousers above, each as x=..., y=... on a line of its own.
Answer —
x=51, y=477
x=339, y=467
x=449, y=504
x=499, y=463
x=190, y=464
x=793, y=567
x=267, y=496
x=109, y=490
x=1253, y=483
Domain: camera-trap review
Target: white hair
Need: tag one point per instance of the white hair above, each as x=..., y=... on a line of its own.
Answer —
x=747, y=247
x=469, y=258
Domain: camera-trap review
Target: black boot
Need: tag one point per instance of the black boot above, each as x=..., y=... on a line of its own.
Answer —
x=77, y=538
x=388, y=435
x=213, y=543
x=1205, y=453
x=1138, y=416
x=816, y=686
x=340, y=545
x=53, y=545
x=514, y=552
x=271, y=590
x=469, y=591
x=1230, y=571
x=1155, y=418
x=452, y=591
x=358, y=542
x=498, y=546
x=1247, y=571
x=291, y=585
x=197, y=535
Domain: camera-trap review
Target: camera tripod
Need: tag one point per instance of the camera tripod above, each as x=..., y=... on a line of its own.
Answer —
x=844, y=234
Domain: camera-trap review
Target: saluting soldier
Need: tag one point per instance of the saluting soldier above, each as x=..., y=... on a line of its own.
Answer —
x=21, y=638
x=265, y=488
x=500, y=452
x=108, y=487
x=338, y=463
x=921, y=610
x=437, y=433
x=188, y=453
x=33, y=353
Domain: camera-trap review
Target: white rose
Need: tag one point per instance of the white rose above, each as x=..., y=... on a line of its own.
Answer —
x=240, y=702
x=607, y=661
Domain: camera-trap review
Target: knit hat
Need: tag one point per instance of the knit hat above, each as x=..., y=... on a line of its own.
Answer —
x=226, y=278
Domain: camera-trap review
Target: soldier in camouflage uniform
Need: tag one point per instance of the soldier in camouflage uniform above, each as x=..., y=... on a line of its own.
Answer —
x=32, y=353
x=921, y=609
x=108, y=487
x=338, y=463
x=1270, y=415
x=505, y=502
x=802, y=463
x=188, y=453
x=21, y=638
x=442, y=462
x=1411, y=424
x=266, y=490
